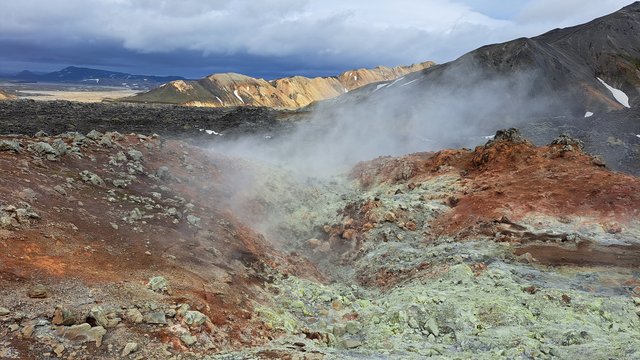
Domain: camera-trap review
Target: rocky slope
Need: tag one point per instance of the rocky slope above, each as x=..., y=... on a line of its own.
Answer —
x=589, y=68
x=145, y=247
x=226, y=90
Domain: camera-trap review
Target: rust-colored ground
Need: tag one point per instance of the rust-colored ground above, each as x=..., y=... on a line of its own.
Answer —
x=217, y=267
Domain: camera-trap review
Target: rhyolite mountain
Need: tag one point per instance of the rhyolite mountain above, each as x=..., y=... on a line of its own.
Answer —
x=584, y=69
x=82, y=75
x=6, y=96
x=231, y=89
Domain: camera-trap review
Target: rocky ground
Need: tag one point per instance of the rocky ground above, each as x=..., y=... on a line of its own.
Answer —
x=56, y=117
x=139, y=246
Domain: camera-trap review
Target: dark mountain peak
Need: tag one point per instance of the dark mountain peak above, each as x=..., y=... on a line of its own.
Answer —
x=84, y=75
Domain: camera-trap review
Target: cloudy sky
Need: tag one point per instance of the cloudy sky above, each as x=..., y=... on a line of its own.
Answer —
x=267, y=38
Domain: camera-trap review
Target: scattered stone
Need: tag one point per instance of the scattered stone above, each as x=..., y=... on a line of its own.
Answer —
x=612, y=228
x=432, y=327
x=158, y=284
x=135, y=316
x=194, y=318
x=92, y=178
x=94, y=135
x=135, y=155
x=193, y=220
x=598, y=160
x=83, y=333
x=163, y=173
x=390, y=216
x=27, y=331
x=43, y=149
x=135, y=215
x=120, y=183
x=314, y=243
x=351, y=343
x=41, y=133
x=62, y=316
x=182, y=310
x=188, y=339
x=60, y=147
x=155, y=317
x=97, y=316
x=4, y=311
x=353, y=327
x=60, y=190
x=9, y=145
x=568, y=142
x=59, y=350
x=129, y=348
x=511, y=135
x=38, y=291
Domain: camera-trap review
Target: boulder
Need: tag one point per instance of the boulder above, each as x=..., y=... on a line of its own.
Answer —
x=83, y=333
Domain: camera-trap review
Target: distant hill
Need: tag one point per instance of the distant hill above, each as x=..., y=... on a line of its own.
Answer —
x=81, y=75
x=230, y=89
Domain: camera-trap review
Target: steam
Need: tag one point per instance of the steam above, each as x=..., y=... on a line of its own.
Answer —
x=455, y=106
x=293, y=177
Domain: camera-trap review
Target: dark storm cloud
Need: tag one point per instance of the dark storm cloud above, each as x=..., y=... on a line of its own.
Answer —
x=266, y=38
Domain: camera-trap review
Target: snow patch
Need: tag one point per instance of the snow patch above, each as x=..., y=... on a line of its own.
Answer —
x=407, y=83
x=398, y=79
x=235, y=92
x=489, y=137
x=210, y=132
x=588, y=114
x=380, y=86
x=221, y=103
x=619, y=95
x=638, y=135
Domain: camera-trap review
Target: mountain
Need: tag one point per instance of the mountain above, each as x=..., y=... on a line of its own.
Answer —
x=73, y=74
x=230, y=89
x=584, y=69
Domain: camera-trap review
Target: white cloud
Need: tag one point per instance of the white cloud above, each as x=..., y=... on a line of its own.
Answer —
x=359, y=31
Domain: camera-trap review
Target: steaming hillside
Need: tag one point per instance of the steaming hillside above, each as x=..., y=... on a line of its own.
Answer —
x=224, y=90
x=592, y=67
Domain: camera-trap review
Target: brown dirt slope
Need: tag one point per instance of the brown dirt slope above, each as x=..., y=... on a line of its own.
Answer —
x=92, y=219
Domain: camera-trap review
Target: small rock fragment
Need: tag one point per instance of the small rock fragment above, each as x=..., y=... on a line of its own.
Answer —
x=193, y=220
x=129, y=348
x=59, y=350
x=94, y=135
x=83, y=333
x=135, y=155
x=135, y=316
x=155, y=317
x=158, y=284
x=9, y=145
x=90, y=177
x=62, y=316
x=98, y=316
x=188, y=339
x=194, y=318
x=38, y=291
